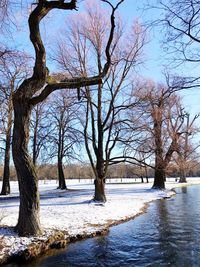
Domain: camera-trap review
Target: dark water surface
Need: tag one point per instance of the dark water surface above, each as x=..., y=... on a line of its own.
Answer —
x=167, y=235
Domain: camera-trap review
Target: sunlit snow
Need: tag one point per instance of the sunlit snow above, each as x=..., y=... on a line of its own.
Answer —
x=73, y=210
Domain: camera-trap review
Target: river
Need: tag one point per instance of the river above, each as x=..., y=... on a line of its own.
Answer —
x=168, y=234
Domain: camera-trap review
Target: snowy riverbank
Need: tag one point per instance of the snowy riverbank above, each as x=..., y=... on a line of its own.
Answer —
x=72, y=212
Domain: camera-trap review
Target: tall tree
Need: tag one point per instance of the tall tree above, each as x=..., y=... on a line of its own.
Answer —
x=187, y=150
x=13, y=69
x=65, y=136
x=105, y=103
x=33, y=91
x=161, y=119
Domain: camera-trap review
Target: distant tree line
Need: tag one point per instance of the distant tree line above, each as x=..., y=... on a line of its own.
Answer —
x=84, y=171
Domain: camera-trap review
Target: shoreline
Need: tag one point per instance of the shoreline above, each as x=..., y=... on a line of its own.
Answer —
x=16, y=249
x=59, y=240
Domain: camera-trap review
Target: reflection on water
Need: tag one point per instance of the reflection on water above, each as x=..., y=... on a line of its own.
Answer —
x=167, y=235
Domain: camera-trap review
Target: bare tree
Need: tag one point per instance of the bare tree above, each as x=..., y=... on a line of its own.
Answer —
x=105, y=103
x=161, y=119
x=163, y=153
x=187, y=150
x=4, y=12
x=13, y=69
x=181, y=21
x=142, y=170
x=64, y=136
x=39, y=130
x=31, y=92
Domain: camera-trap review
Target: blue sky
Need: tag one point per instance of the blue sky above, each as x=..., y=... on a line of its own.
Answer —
x=155, y=56
x=129, y=10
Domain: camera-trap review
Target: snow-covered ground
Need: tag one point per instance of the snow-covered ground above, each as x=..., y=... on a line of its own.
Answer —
x=73, y=211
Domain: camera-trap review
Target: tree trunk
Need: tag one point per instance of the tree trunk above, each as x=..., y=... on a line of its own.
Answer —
x=182, y=176
x=146, y=175
x=99, y=182
x=28, y=221
x=61, y=177
x=35, y=146
x=35, y=136
x=159, y=179
x=6, y=173
x=99, y=194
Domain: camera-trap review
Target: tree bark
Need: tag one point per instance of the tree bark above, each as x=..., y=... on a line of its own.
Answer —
x=146, y=175
x=159, y=178
x=182, y=176
x=35, y=141
x=99, y=194
x=100, y=170
x=28, y=221
x=99, y=182
x=61, y=177
x=6, y=173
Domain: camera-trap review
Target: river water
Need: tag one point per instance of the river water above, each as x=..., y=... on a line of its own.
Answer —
x=168, y=234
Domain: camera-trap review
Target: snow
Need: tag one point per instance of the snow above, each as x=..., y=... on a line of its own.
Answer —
x=74, y=212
